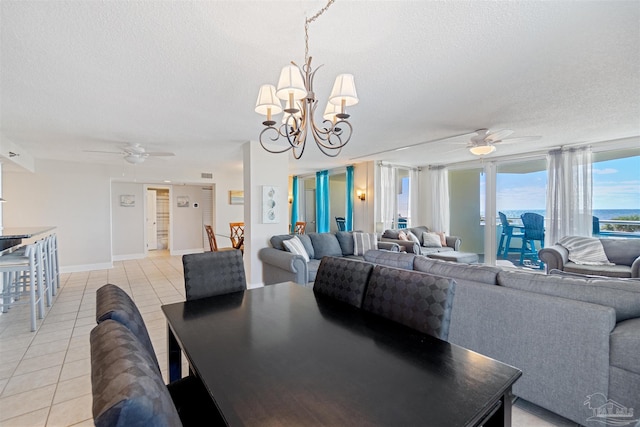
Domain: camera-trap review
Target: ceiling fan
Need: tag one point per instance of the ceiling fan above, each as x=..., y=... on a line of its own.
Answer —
x=483, y=142
x=135, y=153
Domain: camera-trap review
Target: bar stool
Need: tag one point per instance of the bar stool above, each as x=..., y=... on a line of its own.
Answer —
x=26, y=271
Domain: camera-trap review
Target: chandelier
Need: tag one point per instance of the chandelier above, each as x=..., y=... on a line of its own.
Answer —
x=295, y=88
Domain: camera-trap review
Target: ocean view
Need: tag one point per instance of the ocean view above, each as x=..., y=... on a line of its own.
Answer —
x=602, y=214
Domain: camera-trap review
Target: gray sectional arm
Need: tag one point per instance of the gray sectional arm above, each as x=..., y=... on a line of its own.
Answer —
x=282, y=266
x=635, y=268
x=555, y=257
x=454, y=242
x=389, y=246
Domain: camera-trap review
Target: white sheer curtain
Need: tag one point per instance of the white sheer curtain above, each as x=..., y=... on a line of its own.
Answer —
x=569, y=194
x=440, y=199
x=414, y=192
x=388, y=196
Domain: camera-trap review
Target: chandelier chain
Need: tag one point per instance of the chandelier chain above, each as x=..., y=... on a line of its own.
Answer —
x=306, y=28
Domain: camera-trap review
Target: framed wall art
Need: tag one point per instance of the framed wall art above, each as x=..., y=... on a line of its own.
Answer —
x=128, y=200
x=183, y=201
x=236, y=197
x=270, y=208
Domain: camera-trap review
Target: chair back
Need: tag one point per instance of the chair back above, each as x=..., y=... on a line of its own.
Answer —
x=113, y=303
x=596, y=225
x=533, y=226
x=341, y=223
x=402, y=223
x=236, y=234
x=506, y=227
x=343, y=279
x=299, y=227
x=213, y=273
x=126, y=389
x=418, y=300
x=212, y=238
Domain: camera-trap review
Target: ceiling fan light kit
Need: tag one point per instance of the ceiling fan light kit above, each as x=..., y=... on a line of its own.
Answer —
x=482, y=150
x=295, y=87
x=483, y=142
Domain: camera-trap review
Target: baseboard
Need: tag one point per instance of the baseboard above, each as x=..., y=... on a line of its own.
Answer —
x=128, y=257
x=85, y=267
x=187, y=251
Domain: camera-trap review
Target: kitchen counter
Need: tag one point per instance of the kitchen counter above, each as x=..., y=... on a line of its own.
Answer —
x=12, y=236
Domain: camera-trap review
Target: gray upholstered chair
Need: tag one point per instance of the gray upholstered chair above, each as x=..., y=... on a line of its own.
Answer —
x=418, y=300
x=114, y=303
x=127, y=389
x=213, y=273
x=343, y=279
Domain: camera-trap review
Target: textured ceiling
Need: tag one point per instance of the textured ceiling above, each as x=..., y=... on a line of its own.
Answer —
x=183, y=76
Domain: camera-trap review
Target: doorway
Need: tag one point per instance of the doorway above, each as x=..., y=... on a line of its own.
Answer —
x=157, y=219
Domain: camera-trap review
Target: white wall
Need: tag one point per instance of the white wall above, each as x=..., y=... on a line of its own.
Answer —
x=75, y=198
x=128, y=222
x=83, y=203
x=464, y=205
x=262, y=168
x=186, y=232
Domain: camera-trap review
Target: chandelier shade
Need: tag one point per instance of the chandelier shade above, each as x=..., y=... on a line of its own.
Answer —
x=291, y=82
x=268, y=103
x=344, y=90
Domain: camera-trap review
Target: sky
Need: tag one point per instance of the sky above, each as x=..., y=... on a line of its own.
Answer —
x=616, y=185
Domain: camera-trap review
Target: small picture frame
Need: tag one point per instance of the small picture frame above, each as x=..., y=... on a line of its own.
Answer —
x=128, y=200
x=183, y=201
x=236, y=197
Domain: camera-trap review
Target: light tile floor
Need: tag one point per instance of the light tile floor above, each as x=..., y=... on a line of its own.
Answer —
x=45, y=375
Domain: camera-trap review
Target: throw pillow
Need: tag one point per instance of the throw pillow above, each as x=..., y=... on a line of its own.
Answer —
x=362, y=242
x=443, y=238
x=402, y=236
x=295, y=246
x=585, y=250
x=431, y=240
x=413, y=237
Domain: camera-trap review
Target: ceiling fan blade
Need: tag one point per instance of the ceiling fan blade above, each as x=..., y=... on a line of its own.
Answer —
x=159, y=153
x=106, y=152
x=520, y=139
x=498, y=135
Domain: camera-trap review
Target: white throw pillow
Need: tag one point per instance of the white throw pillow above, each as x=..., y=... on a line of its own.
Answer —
x=295, y=246
x=585, y=250
x=431, y=240
x=413, y=237
x=362, y=242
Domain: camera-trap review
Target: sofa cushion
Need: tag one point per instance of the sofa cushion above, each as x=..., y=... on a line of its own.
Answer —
x=621, y=294
x=345, y=239
x=625, y=345
x=431, y=240
x=392, y=234
x=312, y=268
x=276, y=241
x=295, y=246
x=585, y=250
x=462, y=273
x=412, y=237
x=391, y=259
x=621, y=251
x=325, y=244
x=417, y=231
x=306, y=242
x=363, y=242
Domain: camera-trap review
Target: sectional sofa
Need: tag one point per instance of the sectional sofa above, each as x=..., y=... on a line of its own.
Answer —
x=279, y=265
x=576, y=339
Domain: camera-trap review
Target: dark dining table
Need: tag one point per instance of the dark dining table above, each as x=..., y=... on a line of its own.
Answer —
x=282, y=355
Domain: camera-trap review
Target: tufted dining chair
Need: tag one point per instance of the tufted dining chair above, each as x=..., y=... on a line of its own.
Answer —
x=213, y=273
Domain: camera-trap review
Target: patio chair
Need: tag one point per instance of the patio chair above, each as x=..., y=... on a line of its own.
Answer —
x=341, y=223
x=507, y=234
x=533, y=231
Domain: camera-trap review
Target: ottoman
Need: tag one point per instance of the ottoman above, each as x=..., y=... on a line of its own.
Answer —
x=455, y=256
